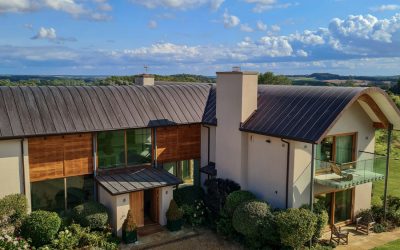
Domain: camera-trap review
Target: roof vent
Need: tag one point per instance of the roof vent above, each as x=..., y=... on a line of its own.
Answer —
x=236, y=69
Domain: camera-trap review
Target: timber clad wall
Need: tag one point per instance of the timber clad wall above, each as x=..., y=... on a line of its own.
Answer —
x=178, y=143
x=60, y=156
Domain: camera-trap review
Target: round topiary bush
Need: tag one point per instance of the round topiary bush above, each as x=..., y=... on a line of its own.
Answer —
x=249, y=216
x=188, y=195
x=90, y=214
x=236, y=198
x=296, y=226
x=40, y=227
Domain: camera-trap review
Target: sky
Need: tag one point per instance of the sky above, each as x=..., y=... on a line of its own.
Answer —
x=121, y=37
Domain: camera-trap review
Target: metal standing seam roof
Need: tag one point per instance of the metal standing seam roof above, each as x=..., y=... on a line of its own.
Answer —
x=44, y=110
x=302, y=113
x=136, y=179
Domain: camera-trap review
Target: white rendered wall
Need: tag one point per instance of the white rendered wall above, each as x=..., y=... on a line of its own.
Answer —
x=166, y=195
x=11, y=168
x=236, y=101
x=267, y=169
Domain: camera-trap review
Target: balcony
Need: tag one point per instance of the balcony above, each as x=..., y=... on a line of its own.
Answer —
x=347, y=175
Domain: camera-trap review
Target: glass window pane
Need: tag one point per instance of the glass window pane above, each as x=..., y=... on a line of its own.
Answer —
x=343, y=202
x=196, y=174
x=139, y=146
x=344, y=149
x=79, y=190
x=170, y=167
x=111, y=149
x=186, y=171
x=48, y=195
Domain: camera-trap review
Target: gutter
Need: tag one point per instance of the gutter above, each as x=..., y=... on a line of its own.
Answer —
x=23, y=165
x=208, y=142
x=287, y=171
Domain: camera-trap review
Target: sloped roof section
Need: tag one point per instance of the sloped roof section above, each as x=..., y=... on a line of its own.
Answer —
x=33, y=111
x=136, y=179
x=306, y=113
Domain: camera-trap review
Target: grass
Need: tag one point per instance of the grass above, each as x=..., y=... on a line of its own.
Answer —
x=394, y=168
x=391, y=245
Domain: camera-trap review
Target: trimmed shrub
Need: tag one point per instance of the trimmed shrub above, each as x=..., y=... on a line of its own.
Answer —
x=174, y=212
x=296, y=226
x=234, y=199
x=194, y=214
x=224, y=225
x=322, y=219
x=188, y=195
x=13, y=209
x=249, y=216
x=129, y=223
x=90, y=214
x=217, y=190
x=40, y=227
x=269, y=232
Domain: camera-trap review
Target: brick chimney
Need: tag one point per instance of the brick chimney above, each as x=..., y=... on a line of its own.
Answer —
x=236, y=101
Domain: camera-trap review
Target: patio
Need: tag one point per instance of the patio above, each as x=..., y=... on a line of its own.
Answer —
x=361, y=241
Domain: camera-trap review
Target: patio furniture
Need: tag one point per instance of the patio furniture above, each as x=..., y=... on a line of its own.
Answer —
x=344, y=176
x=338, y=235
x=363, y=225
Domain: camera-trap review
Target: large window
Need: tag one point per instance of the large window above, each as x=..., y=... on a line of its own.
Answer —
x=111, y=149
x=122, y=148
x=139, y=146
x=187, y=170
x=60, y=194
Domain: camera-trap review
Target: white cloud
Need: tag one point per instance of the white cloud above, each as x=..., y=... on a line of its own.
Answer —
x=152, y=24
x=46, y=33
x=387, y=7
x=261, y=26
x=230, y=21
x=246, y=28
x=275, y=28
x=263, y=5
x=309, y=37
x=72, y=7
x=51, y=35
x=301, y=53
x=179, y=4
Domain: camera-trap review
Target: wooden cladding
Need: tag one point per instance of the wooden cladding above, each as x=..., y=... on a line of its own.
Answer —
x=178, y=143
x=60, y=156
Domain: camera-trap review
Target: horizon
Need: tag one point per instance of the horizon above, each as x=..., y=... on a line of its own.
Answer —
x=110, y=38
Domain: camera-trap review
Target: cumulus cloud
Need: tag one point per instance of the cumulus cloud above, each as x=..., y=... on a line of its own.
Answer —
x=230, y=21
x=261, y=26
x=179, y=4
x=72, y=7
x=246, y=28
x=50, y=35
x=301, y=53
x=386, y=7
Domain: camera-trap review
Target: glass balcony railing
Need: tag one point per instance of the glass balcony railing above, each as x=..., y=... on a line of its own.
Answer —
x=346, y=175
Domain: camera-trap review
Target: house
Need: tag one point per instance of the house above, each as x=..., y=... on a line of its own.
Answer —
x=129, y=146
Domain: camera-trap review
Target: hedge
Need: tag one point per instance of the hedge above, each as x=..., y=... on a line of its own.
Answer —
x=90, y=214
x=41, y=227
x=188, y=195
x=249, y=216
x=234, y=199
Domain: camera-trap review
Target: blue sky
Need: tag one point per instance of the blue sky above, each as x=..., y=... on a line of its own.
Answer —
x=119, y=37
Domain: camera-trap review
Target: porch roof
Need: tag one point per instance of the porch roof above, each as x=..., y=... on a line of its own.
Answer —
x=136, y=179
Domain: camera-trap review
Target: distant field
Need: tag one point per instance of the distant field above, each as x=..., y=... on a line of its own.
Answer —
x=394, y=170
x=303, y=79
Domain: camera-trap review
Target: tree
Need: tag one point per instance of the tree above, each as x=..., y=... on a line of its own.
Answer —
x=271, y=79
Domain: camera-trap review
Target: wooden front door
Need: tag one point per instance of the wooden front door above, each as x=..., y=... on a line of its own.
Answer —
x=155, y=206
x=137, y=207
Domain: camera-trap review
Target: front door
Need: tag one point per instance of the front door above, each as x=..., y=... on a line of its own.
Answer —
x=137, y=207
x=154, y=206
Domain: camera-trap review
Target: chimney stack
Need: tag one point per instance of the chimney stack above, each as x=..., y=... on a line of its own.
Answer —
x=144, y=80
x=236, y=100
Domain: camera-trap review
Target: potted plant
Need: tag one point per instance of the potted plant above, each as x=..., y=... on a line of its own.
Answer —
x=129, y=229
x=174, y=217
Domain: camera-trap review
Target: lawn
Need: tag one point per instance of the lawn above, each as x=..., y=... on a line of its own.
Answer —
x=394, y=168
x=391, y=245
